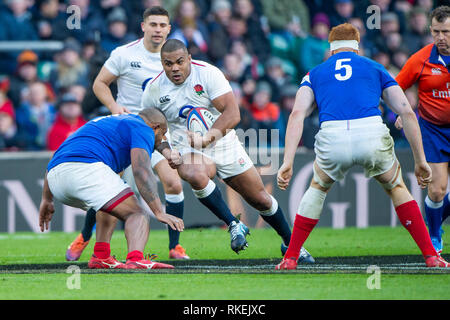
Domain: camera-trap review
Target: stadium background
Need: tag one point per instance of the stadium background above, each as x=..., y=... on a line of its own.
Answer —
x=264, y=47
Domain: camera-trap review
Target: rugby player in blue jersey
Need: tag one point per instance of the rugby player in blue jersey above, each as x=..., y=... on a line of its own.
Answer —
x=347, y=89
x=84, y=173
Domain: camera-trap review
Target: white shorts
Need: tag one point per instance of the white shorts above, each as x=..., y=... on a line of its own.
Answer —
x=156, y=158
x=342, y=144
x=87, y=185
x=229, y=155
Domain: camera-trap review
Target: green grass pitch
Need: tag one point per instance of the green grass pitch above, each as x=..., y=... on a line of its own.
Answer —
x=212, y=244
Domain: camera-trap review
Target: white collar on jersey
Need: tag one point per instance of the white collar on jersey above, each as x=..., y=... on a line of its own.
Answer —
x=338, y=44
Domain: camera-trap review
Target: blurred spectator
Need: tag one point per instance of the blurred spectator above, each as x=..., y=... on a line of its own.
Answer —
x=219, y=19
x=26, y=74
x=68, y=119
x=106, y=7
x=117, y=30
x=78, y=91
x=389, y=24
x=287, y=16
x=400, y=56
x=276, y=77
x=247, y=121
x=187, y=10
x=91, y=21
x=15, y=24
x=233, y=67
x=418, y=29
x=314, y=47
x=384, y=59
x=191, y=36
x=343, y=12
x=49, y=21
x=267, y=114
x=71, y=69
x=255, y=32
x=393, y=42
x=34, y=117
x=8, y=129
x=367, y=45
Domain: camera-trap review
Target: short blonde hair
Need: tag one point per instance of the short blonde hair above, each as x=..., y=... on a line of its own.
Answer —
x=345, y=31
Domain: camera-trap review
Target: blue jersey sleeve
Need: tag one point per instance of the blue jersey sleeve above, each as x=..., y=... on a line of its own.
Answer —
x=386, y=78
x=306, y=81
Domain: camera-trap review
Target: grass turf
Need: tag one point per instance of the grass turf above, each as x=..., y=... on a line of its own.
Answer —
x=30, y=248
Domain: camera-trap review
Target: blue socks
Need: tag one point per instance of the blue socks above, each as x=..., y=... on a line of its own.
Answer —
x=211, y=198
x=176, y=209
x=275, y=218
x=434, y=213
x=278, y=222
x=89, y=224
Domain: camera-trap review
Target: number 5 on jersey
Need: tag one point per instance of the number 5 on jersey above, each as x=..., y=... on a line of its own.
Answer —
x=340, y=64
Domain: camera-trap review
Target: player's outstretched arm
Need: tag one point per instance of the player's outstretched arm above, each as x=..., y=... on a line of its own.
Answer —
x=303, y=106
x=148, y=188
x=103, y=92
x=397, y=101
x=46, y=208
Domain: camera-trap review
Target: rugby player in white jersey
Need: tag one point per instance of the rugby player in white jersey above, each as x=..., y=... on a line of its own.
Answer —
x=185, y=83
x=133, y=65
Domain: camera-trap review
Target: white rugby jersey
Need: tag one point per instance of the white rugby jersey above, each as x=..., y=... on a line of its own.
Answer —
x=135, y=66
x=205, y=83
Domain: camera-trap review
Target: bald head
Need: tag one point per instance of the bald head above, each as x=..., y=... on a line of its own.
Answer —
x=153, y=116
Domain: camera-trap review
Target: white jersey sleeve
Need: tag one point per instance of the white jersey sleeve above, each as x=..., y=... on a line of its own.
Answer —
x=148, y=96
x=114, y=64
x=216, y=84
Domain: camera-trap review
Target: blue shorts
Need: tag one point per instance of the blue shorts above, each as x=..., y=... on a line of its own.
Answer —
x=436, y=141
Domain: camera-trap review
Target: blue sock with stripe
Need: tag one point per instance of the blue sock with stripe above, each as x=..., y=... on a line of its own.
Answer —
x=434, y=213
x=211, y=197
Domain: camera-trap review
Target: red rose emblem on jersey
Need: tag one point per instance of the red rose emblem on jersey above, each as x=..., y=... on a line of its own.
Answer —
x=199, y=89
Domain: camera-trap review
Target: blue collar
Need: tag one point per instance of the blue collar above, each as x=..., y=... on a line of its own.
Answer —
x=436, y=58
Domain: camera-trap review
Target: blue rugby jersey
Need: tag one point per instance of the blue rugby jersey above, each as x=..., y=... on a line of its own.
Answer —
x=106, y=139
x=348, y=86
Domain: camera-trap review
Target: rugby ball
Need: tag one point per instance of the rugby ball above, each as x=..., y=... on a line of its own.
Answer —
x=200, y=120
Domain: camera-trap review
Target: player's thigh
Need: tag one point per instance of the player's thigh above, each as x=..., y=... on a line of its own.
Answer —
x=169, y=177
x=438, y=186
x=125, y=208
x=250, y=186
x=196, y=167
x=391, y=174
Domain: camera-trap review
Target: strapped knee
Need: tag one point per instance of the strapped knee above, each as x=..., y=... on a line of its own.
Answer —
x=395, y=181
x=319, y=181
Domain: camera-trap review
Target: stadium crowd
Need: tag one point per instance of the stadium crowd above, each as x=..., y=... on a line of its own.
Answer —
x=264, y=48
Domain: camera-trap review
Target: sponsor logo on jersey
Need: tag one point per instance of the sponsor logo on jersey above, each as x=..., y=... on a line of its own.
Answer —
x=164, y=99
x=199, y=89
x=436, y=71
x=135, y=64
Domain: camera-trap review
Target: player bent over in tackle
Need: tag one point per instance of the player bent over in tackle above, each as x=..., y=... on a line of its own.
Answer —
x=131, y=80
x=185, y=84
x=83, y=173
x=352, y=133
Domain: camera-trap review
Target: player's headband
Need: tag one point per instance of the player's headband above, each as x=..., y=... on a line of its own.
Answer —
x=338, y=44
